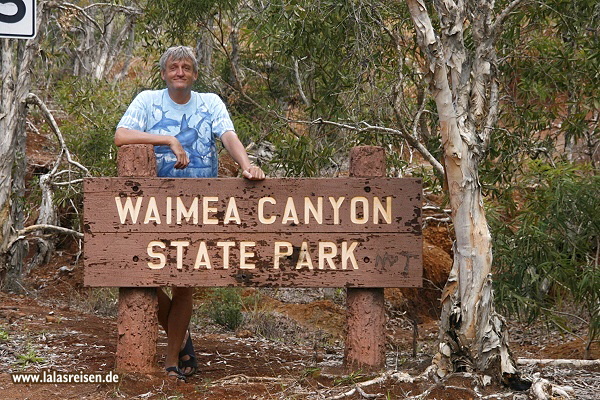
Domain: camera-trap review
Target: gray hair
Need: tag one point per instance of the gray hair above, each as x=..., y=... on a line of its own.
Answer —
x=178, y=53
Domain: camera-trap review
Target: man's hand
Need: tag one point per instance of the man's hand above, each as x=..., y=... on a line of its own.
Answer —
x=182, y=158
x=238, y=152
x=253, y=173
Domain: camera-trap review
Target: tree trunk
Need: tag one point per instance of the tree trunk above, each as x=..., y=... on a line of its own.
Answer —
x=102, y=36
x=472, y=335
x=128, y=55
x=205, y=47
x=234, y=40
x=15, y=73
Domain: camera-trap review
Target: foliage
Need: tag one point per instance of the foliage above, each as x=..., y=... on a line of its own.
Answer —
x=278, y=62
x=302, y=49
x=544, y=224
x=550, y=62
x=326, y=61
x=3, y=335
x=228, y=308
x=301, y=156
x=260, y=318
x=87, y=39
x=352, y=379
x=100, y=301
x=94, y=109
x=30, y=357
x=225, y=307
x=549, y=252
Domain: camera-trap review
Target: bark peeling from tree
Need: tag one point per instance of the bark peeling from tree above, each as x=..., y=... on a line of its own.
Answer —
x=472, y=334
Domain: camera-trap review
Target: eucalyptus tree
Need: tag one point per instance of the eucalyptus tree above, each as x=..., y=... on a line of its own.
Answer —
x=15, y=83
x=93, y=37
x=462, y=64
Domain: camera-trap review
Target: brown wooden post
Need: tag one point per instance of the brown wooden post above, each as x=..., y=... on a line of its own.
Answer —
x=137, y=323
x=365, y=340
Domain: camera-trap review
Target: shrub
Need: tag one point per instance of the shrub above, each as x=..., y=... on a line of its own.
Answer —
x=549, y=252
x=225, y=307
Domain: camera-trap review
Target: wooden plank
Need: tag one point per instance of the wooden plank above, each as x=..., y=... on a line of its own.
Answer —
x=365, y=324
x=100, y=208
x=347, y=248
x=137, y=324
x=377, y=260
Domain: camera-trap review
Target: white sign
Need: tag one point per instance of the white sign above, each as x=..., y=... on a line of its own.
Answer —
x=17, y=19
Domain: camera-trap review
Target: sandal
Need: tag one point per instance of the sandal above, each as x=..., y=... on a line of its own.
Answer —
x=191, y=362
x=178, y=374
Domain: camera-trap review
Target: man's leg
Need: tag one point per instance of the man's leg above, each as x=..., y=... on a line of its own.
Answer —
x=164, y=307
x=174, y=315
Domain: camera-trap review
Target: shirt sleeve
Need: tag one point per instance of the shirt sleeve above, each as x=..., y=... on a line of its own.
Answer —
x=221, y=122
x=136, y=116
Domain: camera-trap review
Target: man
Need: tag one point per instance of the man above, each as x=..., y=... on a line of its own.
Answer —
x=183, y=126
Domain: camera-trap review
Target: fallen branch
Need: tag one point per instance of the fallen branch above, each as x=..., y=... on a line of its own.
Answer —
x=244, y=379
x=558, y=362
x=543, y=389
x=430, y=207
x=497, y=396
x=437, y=219
x=381, y=379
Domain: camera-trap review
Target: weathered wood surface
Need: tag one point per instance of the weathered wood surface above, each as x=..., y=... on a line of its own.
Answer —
x=101, y=216
x=137, y=324
x=119, y=252
x=381, y=261
x=136, y=160
x=365, y=325
x=137, y=330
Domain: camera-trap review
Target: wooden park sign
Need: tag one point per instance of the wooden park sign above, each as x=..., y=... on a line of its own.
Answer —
x=361, y=232
x=340, y=232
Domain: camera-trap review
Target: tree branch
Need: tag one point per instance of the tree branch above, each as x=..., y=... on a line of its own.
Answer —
x=127, y=9
x=504, y=14
x=34, y=99
x=373, y=128
x=559, y=362
x=64, y=6
x=299, y=83
x=22, y=233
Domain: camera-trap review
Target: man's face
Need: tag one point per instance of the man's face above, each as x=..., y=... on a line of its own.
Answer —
x=179, y=74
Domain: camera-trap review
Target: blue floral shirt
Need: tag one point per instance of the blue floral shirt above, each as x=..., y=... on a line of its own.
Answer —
x=197, y=124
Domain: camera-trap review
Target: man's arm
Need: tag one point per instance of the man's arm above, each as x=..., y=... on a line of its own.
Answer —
x=125, y=136
x=238, y=152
